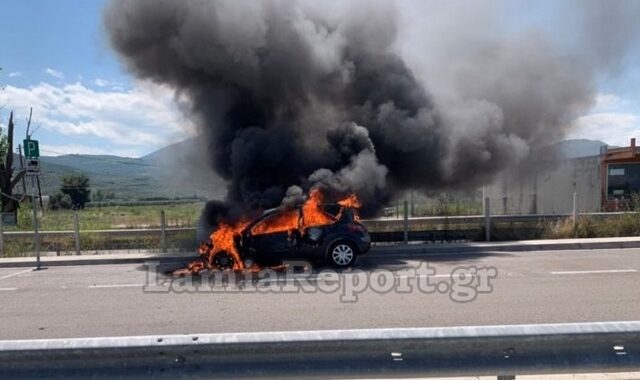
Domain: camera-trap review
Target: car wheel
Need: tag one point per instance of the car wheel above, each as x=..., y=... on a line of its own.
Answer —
x=223, y=260
x=342, y=254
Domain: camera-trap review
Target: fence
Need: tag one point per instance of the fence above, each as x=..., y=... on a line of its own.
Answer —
x=503, y=351
x=165, y=239
x=383, y=230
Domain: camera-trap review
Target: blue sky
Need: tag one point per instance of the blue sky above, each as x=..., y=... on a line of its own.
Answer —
x=55, y=57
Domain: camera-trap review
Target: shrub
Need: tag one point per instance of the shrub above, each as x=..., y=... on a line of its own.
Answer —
x=60, y=201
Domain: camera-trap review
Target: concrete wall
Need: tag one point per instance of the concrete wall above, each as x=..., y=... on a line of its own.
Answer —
x=547, y=187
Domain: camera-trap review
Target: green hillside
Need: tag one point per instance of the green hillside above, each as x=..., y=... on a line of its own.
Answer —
x=167, y=173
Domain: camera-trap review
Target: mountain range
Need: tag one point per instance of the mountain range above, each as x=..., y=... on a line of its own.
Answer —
x=174, y=171
x=180, y=170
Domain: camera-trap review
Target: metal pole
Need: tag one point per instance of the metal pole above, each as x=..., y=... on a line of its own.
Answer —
x=413, y=210
x=487, y=219
x=406, y=222
x=575, y=209
x=76, y=228
x=36, y=234
x=163, y=232
x=1, y=236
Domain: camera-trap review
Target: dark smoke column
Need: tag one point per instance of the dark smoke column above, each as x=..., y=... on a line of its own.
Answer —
x=292, y=93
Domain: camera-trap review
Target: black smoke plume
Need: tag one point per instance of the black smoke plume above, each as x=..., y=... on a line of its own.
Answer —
x=305, y=93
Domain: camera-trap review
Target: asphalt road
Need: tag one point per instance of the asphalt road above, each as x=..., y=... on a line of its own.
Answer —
x=528, y=287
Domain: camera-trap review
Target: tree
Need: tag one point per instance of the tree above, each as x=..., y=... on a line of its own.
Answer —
x=7, y=181
x=77, y=188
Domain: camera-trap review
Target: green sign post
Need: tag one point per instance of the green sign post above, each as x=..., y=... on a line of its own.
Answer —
x=31, y=148
x=32, y=152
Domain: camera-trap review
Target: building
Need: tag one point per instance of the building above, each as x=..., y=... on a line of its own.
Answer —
x=545, y=184
x=620, y=177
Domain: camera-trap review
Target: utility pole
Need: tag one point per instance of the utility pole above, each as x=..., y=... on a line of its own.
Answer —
x=36, y=234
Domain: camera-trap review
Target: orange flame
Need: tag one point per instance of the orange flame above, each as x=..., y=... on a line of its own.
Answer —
x=285, y=221
x=351, y=201
x=312, y=213
x=222, y=240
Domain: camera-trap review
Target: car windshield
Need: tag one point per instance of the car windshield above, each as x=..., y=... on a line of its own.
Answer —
x=340, y=189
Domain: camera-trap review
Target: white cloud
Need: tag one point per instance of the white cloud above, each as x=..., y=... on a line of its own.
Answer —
x=101, y=82
x=135, y=121
x=608, y=101
x=15, y=74
x=54, y=73
x=614, y=128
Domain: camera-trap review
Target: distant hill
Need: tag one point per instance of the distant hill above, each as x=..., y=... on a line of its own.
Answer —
x=180, y=170
x=169, y=172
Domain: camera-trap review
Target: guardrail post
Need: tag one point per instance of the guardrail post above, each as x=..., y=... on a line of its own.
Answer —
x=413, y=210
x=1, y=236
x=76, y=231
x=406, y=222
x=575, y=209
x=163, y=232
x=487, y=219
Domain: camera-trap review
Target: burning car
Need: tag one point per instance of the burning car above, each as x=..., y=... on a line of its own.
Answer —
x=309, y=231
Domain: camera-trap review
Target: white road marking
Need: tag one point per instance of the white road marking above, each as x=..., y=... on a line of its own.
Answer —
x=431, y=276
x=7, y=289
x=596, y=271
x=16, y=274
x=115, y=286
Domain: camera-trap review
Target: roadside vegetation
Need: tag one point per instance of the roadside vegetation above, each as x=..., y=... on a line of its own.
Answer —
x=104, y=218
x=627, y=224
x=624, y=224
x=111, y=217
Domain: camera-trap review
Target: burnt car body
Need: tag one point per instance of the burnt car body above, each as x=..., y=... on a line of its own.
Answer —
x=337, y=243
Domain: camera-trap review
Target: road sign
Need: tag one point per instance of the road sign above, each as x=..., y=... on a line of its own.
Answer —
x=33, y=167
x=31, y=148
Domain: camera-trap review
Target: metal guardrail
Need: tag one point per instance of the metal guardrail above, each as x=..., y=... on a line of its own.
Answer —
x=114, y=232
x=434, y=229
x=478, y=219
x=373, y=353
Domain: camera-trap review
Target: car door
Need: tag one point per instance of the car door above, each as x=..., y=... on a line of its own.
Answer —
x=310, y=244
x=271, y=237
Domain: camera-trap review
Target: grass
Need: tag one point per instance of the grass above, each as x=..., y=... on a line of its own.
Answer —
x=102, y=218
x=436, y=208
x=626, y=224
x=594, y=227
x=111, y=217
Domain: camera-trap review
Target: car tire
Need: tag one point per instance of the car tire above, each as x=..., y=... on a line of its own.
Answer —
x=223, y=260
x=342, y=254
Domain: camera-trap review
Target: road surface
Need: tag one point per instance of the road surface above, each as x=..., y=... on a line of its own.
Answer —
x=118, y=300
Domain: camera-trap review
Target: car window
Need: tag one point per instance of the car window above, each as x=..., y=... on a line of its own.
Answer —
x=279, y=221
x=316, y=216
